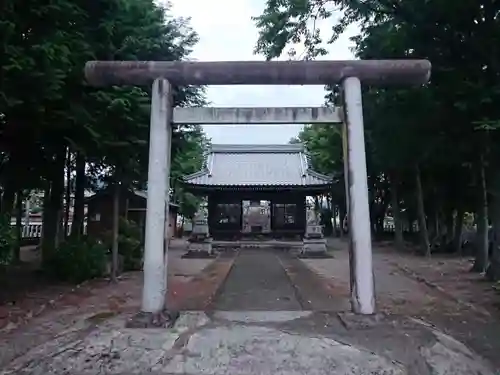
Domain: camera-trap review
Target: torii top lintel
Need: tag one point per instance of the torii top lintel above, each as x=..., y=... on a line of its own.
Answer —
x=379, y=72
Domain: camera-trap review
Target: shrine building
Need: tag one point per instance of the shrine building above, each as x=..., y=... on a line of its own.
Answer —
x=276, y=178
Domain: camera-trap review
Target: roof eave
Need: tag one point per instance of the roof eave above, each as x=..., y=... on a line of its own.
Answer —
x=256, y=148
x=205, y=187
x=318, y=175
x=138, y=193
x=191, y=176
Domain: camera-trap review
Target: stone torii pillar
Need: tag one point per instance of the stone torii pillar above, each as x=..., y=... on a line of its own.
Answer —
x=349, y=74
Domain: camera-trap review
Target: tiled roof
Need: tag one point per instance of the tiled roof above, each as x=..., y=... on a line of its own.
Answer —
x=257, y=165
x=139, y=193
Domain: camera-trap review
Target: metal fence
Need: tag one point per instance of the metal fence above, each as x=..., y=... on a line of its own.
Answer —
x=34, y=230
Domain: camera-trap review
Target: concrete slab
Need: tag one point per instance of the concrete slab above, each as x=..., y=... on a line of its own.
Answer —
x=260, y=316
x=261, y=350
x=449, y=356
x=250, y=343
x=258, y=244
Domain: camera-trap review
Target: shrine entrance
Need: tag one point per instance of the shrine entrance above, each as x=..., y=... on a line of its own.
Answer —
x=256, y=219
x=348, y=74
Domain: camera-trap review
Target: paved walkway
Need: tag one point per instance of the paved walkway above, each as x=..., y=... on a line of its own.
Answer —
x=257, y=281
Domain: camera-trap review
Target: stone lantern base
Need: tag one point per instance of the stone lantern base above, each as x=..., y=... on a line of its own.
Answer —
x=199, y=247
x=314, y=244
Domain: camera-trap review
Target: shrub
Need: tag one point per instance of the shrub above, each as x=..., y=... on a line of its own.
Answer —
x=129, y=244
x=78, y=260
x=7, y=241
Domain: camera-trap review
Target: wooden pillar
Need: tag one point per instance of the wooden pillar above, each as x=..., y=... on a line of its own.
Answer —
x=302, y=208
x=212, y=212
x=241, y=218
x=271, y=213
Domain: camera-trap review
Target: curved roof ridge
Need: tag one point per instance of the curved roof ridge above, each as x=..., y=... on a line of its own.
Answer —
x=260, y=148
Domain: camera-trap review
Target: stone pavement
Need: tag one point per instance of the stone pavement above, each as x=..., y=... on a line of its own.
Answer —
x=257, y=281
x=294, y=333
x=293, y=342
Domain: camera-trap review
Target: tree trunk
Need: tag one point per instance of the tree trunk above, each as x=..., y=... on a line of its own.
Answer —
x=19, y=226
x=60, y=217
x=181, y=231
x=433, y=225
x=422, y=224
x=52, y=220
x=373, y=218
x=493, y=270
x=116, y=218
x=396, y=214
x=437, y=229
x=334, y=220
x=125, y=211
x=8, y=198
x=411, y=218
x=27, y=209
x=481, y=259
x=457, y=232
x=379, y=225
x=449, y=227
x=342, y=217
x=67, y=193
x=45, y=211
x=79, y=203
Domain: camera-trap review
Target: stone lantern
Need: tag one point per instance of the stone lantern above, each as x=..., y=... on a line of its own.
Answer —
x=200, y=242
x=314, y=243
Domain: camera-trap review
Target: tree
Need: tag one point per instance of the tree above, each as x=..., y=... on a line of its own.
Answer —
x=324, y=145
x=440, y=136
x=48, y=113
x=188, y=159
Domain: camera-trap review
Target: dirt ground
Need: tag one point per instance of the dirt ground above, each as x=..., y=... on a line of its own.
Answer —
x=439, y=290
x=29, y=295
x=42, y=312
x=452, y=275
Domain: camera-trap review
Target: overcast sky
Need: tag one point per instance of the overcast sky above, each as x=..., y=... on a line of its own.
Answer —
x=227, y=32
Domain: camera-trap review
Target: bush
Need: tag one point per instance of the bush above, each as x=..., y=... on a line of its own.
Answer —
x=129, y=244
x=78, y=260
x=7, y=241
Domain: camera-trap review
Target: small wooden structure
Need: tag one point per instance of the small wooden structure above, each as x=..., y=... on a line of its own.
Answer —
x=132, y=207
x=280, y=174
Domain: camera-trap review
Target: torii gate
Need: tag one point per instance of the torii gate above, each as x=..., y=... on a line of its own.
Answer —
x=349, y=74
